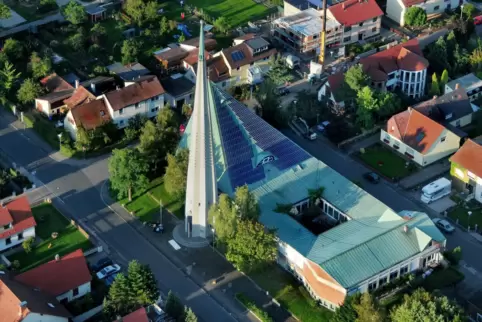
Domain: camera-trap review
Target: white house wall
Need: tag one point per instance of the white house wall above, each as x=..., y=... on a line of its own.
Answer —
x=291, y=255
x=442, y=149
x=290, y=9
x=43, y=106
x=69, y=127
x=36, y=317
x=69, y=296
x=396, y=11
x=438, y=6
x=417, y=157
x=147, y=107
x=27, y=233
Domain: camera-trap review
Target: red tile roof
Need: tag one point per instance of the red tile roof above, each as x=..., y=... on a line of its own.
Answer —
x=192, y=58
x=80, y=96
x=407, y=56
x=469, y=156
x=135, y=93
x=312, y=272
x=21, y=214
x=247, y=55
x=136, y=316
x=55, y=83
x=58, y=277
x=409, y=3
x=415, y=129
x=247, y=36
x=91, y=115
x=352, y=12
x=5, y=217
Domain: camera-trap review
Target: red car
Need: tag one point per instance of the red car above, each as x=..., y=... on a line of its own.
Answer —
x=478, y=20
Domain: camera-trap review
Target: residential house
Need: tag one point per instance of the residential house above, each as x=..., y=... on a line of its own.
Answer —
x=89, y=116
x=100, y=85
x=57, y=91
x=139, y=315
x=420, y=138
x=244, y=61
x=331, y=91
x=292, y=7
x=144, y=97
x=402, y=66
x=396, y=9
x=19, y=302
x=243, y=38
x=347, y=22
x=79, y=96
x=171, y=58
x=466, y=168
x=470, y=83
x=128, y=73
x=451, y=109
x=16, y=223
x=218, y=71
x=67, y=278
x=96, y=12
x=179, y=90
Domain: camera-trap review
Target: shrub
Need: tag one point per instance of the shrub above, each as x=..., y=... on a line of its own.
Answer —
x=16, y=264
x=28, y=244
x=250, y=305
x=415, y=16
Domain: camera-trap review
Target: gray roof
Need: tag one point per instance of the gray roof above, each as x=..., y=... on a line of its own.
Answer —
x=448, y=107
x=128, y=72
x=307, y=22
x=257, y=43
x=469, y=82
x=177, y=86
x=94, y=9
x=57, y=96
x=71, y=78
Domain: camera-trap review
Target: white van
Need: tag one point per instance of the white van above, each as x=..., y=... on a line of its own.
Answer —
x=436, y=190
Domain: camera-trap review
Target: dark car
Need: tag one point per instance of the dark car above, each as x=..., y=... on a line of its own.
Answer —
x=282, y=91
x=101, y=264
x=372, y=177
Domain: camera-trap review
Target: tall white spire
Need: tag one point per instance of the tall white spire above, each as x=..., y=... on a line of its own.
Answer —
x=201, y=190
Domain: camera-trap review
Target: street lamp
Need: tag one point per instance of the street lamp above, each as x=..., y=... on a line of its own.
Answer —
x=461, y=11
x=469, y=213
x=60, y=141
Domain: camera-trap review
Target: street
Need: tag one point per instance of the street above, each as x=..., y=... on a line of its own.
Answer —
x=74, y=186
x=392, y=197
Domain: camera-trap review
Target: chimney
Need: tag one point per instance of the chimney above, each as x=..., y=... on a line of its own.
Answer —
x=457, y=86
x=21, y=308
x=343, y=6
x=405, y=229
x=409, y=108
x=57, y=258
x=92, y=87
x=76, y=83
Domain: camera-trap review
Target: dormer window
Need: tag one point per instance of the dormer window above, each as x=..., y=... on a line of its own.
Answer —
x=6, y=226
x=448, y=116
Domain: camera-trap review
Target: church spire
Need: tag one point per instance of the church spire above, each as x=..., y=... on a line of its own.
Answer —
x=201, y=189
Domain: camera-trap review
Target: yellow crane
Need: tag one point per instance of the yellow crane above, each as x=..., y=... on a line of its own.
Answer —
x=321, y=57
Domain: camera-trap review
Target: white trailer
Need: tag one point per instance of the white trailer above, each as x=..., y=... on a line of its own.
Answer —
x=436, y=190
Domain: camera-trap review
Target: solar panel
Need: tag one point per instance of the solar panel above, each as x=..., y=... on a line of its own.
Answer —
x=237, y=55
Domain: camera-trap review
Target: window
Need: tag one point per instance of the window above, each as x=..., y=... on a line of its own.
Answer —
x=383, y=281
x=102, y=113
x=20, y=236
x=360, y=24
x=436, y=8
x=393, y=275
x=75, y=291
x=374, y=29
x=396, y=146
x=457, y=123
x=404, y=270
x=347, y=28
x=136, y=105
x=121, y=122
x=237, y=68
x=442, y=139
x=155, y=109
x=121, y=111
x=372, y=286
x=346, y=39
x=375, y=19
x=8, y=241
x=6, y=226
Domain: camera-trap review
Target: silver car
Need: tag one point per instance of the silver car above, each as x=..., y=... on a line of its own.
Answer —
x=444, y=225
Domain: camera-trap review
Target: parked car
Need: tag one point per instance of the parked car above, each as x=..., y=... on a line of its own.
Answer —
x=101, y=263
x=282, y=91
x=372, y=177
x=322, y=126
x=110, y=279
x=109, y=270
x=478, y=20
x=444, y=225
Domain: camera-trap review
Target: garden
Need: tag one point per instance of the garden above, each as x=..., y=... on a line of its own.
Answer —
x=386, y=162
x=460, y=213
x=58, y=236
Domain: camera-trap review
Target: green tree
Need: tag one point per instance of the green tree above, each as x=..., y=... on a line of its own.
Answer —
x=246, y=204
x=13, y=49
x=83, y=139
x=223, y=217
x=97, y=32
x=356, y=78
x=187, y=110
x=8, y=76
x=367, y=104
x=415, y=17
x=76, y=41
x=4, y=177
x=444, y=79
x=141, y=12
x=118, y=302
x=423, y=306
x=181, y=38
x=29, y=91
x=151, y=145
x=475, y=58
x=435, y=86
x=347, y=312
x=74, y=12
x=468, y=10
x=252, y=247
x=388, y=103
x=129, y=51
x=40, y=67
x=278, y=72
x=174, y=307
x=437, y=55
x=163, y=27
x=367, y=310
x=175, y=179
x=5, y=12
x=28, y=244
x=270, y=109
x=189, y=315
x=142, y=284
x=222, y=24
x=128, y=170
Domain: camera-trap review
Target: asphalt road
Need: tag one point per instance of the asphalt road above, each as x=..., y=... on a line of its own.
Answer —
x=385, y=192
x=77, y=189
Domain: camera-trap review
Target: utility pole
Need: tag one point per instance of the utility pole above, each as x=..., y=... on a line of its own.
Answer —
x=321, y=57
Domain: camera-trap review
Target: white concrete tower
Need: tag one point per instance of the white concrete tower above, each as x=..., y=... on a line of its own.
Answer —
x=201, y=190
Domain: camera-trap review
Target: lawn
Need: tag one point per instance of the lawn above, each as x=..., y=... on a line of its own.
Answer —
x=145, y=206
x=386, y=162
x=293, y=296
x=460, y=213
x=442, y=278
x=49, y=220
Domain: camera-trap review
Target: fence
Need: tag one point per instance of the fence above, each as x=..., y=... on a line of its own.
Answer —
x=358, y=137
x=82, y=231
x=93, y=251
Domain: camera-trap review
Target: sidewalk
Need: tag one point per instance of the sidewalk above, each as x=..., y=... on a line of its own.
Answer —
x=205, y=267
x=426, y=174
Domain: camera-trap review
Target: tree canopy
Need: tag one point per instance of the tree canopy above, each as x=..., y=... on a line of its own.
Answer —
x=141, y=11
x=13, y=49
x=423, y=306
x=174, y=306
x=175, y=179
x=223, y=217
x=222, y=24
x=374, y=104
x=128, y=172
x=435, y=85
x=74, y=12
x=5, y=12
x=415, y=17
x=356, y=78
x=8, y=76
x=130, y=51
x=279, y=73
x=41, y=67
x=29, y=91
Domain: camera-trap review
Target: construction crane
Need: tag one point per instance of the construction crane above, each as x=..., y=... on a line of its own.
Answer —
x=321, y=57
